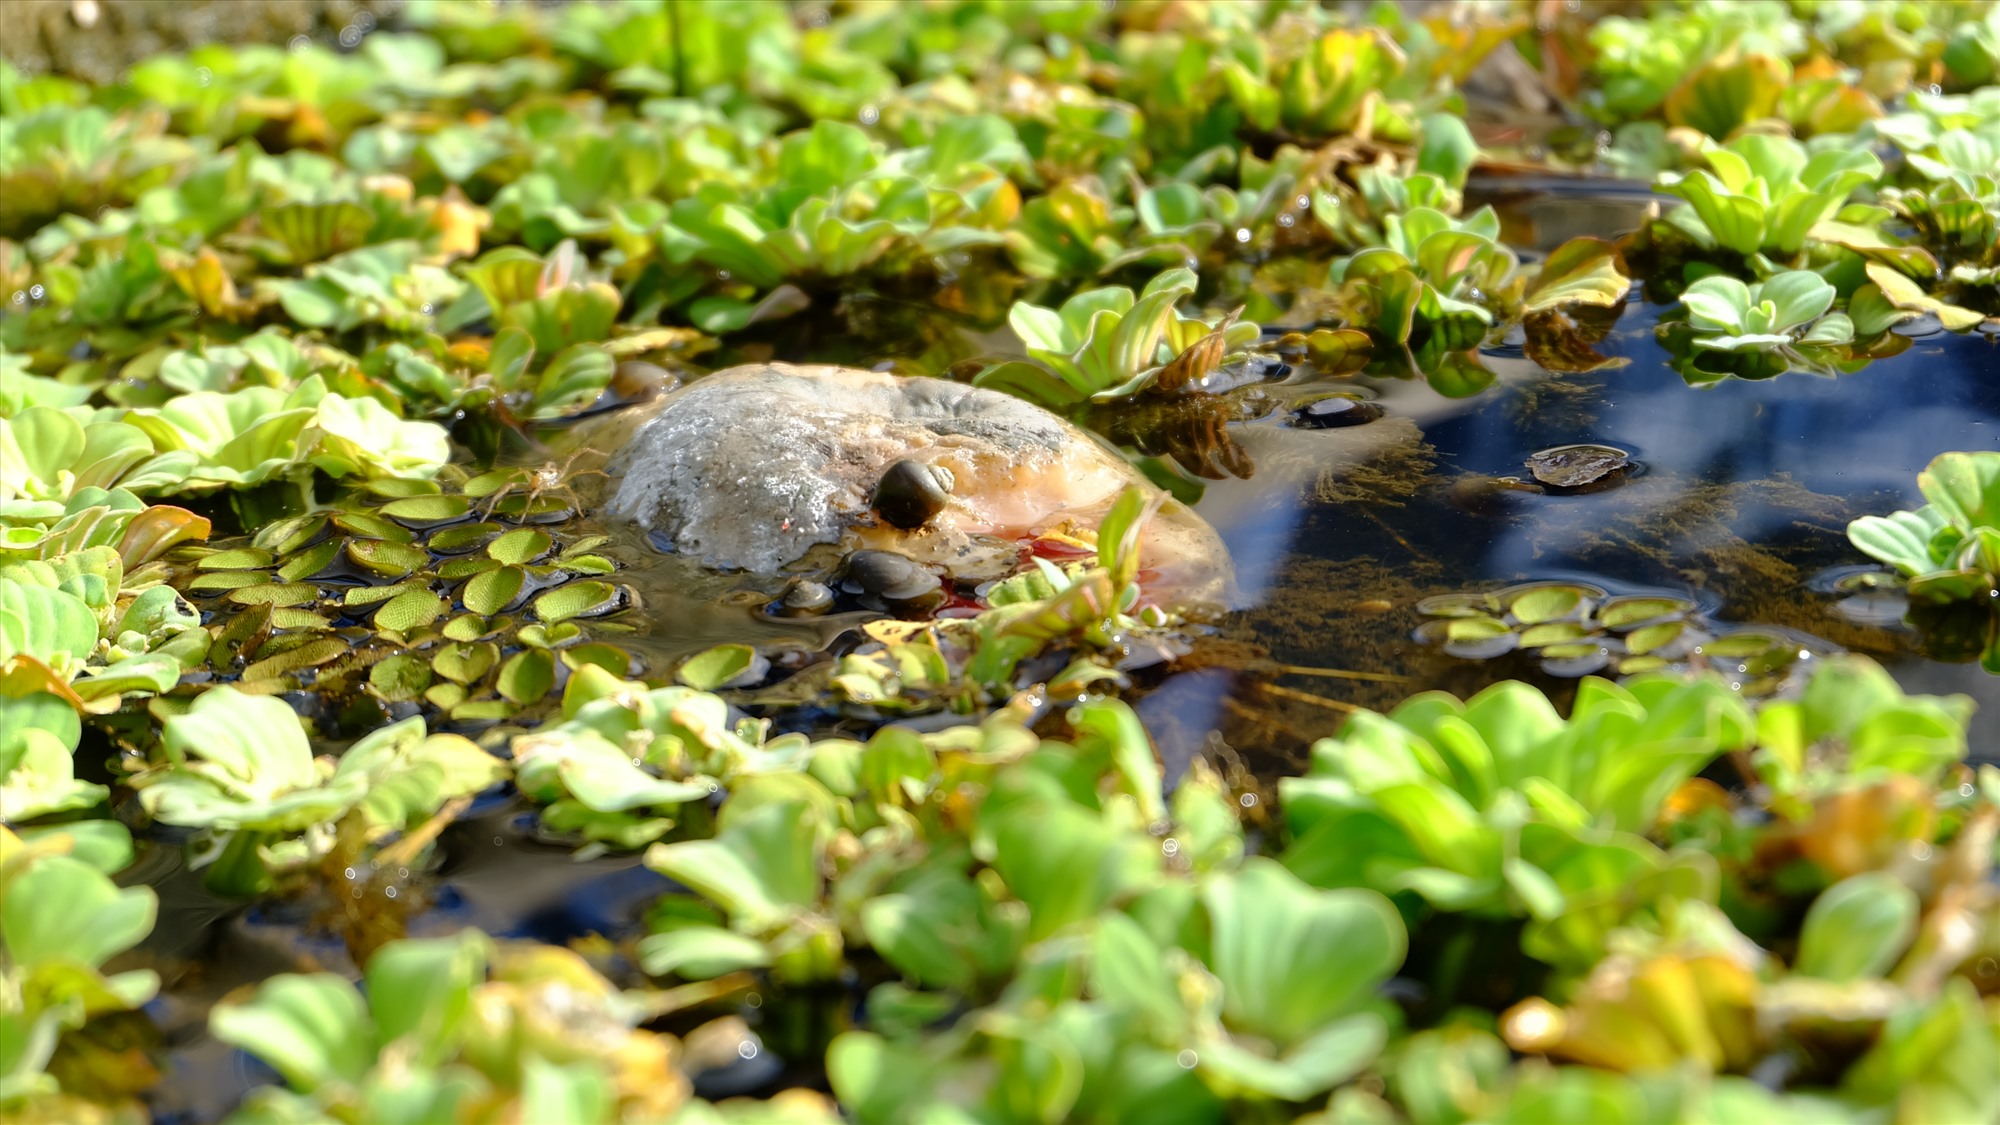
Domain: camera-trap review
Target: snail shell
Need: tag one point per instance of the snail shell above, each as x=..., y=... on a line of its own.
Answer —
x=805, y=598
x=893, y=579
x=911, y=492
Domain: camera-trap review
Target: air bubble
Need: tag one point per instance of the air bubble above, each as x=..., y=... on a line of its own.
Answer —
x=349, y=873
x=1920, y=851
x=1170, y=846
x=427, y=309
x=722, y=274
x=1303, y=202
x=299, y=43
x=388, y=892
x=1242, y=234
x=870, y=115
x=350, y=36
x=746, y=1050
x=203, y=76
x=1286, y=219
x=36, y=292
x=1247, y=800
x=1187, y=1059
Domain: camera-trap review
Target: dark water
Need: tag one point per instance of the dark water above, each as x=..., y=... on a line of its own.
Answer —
x=1741, y=500
x=1743, y=503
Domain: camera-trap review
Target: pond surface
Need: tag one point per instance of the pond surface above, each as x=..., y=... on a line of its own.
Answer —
x=1738, y=497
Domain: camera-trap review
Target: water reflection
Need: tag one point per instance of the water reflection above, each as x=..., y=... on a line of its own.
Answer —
x=1748, y=492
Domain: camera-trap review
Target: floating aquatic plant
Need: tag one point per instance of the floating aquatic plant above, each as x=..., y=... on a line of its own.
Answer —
x=1948, y=550
x=1575, y=629
x=1107, y=344
x=1763, y=195
x=269, y=278
x=1785, y=311
x=452, y=1023
x=406, y=595
x=61, y=920
x=1498, y=806
x=240, y=767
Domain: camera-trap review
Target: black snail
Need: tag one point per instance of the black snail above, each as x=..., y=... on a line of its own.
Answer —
x=911, y=492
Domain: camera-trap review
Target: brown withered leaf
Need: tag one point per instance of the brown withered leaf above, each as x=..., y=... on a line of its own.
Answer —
x=1560, y=340
x=1200, y=359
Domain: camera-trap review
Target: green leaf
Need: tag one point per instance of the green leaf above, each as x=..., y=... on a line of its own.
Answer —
x=1798, y=295
x=494, y=591
x=257, y=742
x=1066, y=863
x=716, y=667
x=1735, y=221
x=578, y=599
x=420, y=992
x=1901, y=539
x=876, y=1079
x=1445, y=148
x=1964, y=488
x=700, y=953
x=1728, y=92
x=520, y=546
x=1717, y=303
x=60, y=910
x=761, y=869
x=1857, y=928
x=1339, y=1051
x=527, y=676
x=1293, y=959
x=312, y=1029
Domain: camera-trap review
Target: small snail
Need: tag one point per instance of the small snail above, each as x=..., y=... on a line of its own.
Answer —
x=1331, y=411
x=892, y=579
x=911, y=492
x=804, y=598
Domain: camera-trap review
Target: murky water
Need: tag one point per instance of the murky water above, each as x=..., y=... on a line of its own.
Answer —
x=1740, y=499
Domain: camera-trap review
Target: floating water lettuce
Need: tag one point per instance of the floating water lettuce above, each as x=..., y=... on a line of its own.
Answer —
x=452, y=1023
x=1785, y=311
x=1499, y=806
x=1685, y=63
x=1949, y=549
x=48, y=456
x=61, y=920
x=1432, y=278
x=72, y=628
x=1106, y=344
x=248, y=267
x=1763, y=195
x=240, y=766
x=250, y=435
